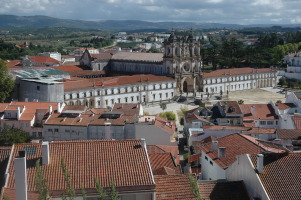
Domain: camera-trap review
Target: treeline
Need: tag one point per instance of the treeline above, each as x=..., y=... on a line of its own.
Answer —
x=8, y=51
x=97, y=42
x=231, y=53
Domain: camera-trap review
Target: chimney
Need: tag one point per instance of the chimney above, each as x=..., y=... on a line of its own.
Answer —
x=20, y=176
x=214, y=146
x=143, y=144
x=121, y=105
x=137, y=105
x=50, y=109
x=230, y=71
x=277, y=141
x=259, y=163
x=59, y=107
x=290, y=147
x=26, y=100
x=45, y=153
x=225, y=72
x=253, y=71
x=221, y=152
x=253, y=110
x=18, y=113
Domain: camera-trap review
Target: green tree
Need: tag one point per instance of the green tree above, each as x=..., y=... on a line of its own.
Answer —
x=113, y=193
x=279, y=101
x=182, y=121
x=10, y=135
x=84, y=194
x=195, y=188
x=99, y=189
x=6, y=82
x=41, y=183
x=240, y=101
x=163, y=106
x=70, y=192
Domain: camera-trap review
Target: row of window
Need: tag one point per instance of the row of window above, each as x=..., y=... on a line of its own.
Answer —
x=69, y=96
x=268, y=122
x=238, y=78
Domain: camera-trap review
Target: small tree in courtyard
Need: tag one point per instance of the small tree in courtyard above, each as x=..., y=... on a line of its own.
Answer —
x=279, y=101
x=113, y=193
x=163, y=106
x=240, y=101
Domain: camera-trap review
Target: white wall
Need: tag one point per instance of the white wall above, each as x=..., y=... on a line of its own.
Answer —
x=211, y=172
x=242, y=169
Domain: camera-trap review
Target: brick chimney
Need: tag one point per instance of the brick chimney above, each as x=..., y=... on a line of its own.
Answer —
x=259, y=163
x=214, y=146
x=20, y=176
x=221, y=152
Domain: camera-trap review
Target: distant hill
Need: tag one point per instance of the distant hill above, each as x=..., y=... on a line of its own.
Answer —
x=42, y=21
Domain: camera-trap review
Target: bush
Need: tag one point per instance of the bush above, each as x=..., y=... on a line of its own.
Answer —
x=279, y=101
x=145, y=113
x=169, y=115
x=202, y=105
x=240, y=101
x=182, y=121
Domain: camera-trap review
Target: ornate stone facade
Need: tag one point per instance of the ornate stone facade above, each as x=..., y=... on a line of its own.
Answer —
x=182, y=60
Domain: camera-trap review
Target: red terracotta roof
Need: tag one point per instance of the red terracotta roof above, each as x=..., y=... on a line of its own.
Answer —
x=289, y=134
x=43, y=59
x=158, y=160
x=175, y=187
x=124, y=161
x=164, y=127
x=196, y=144
x=193, y=116
x=87, y=72
x=102, y=56
x=11, y=193
x=235, y=71
x=32, y=107
x=283, y=106
x=230, y=190
x=77, y=83
x=238, y=144
x=262, y=111
x=257, y=130
x=297, y=122
x=164, y=171
x=3, y=106
x=13, y=63
x=194, y=157
x=281, y=175
x=232, y=107
x=72, y=68
x=127, y=108
x=154, y=149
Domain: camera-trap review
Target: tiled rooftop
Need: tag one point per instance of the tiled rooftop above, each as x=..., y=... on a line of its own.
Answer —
x=281, y=175
x=235, y=71
x=297, y=122
x=232, y=107
x=257, y=130
x=153, y=57
x=127, y=108
x=193, y=116
x=153, y=149
x=82, y=83
x=232, y=190
x=158, y=160
x=283, y=106
x=175, y=187
x=293, y=134
x=196, y=144
x=238, y=144
x=262, y=111
x=124, y=161
x=164, y=171
x=43, y=59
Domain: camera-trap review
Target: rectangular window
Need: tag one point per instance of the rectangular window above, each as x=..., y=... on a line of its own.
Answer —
x=34, y=134
x=206, y=158
x=50, y=130
x=119, y=100
x=56, y=130
x=40, y=134
x=270, y=123
x=77, y=95
x=112, y=100
x=38, y=88
x=98, y=93
x=67, y=131
x=8, y=115
x=211, y=163
x=125, y=99
x=22, y=124
x=276, y=122
x=160, y=95
x=91, y=94
x=106, y=102
x=166, y=95
x=262, y=122
x=172, y=94
x=154, y=96
x=137, y=98
x=132, y=98
x=98, y=103
x=27, y=124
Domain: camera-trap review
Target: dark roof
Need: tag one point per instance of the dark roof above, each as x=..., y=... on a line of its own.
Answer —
x=281, y=175
x=230, y=190
x=4, y=156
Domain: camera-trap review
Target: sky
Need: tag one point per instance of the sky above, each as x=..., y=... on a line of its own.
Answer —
x=202, y=11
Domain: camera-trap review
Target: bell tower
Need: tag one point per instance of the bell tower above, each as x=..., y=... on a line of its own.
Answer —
x=182, y=60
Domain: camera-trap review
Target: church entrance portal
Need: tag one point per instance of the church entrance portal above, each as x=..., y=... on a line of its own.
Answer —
x=185, y=87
